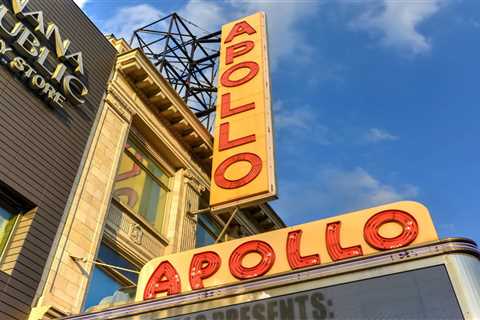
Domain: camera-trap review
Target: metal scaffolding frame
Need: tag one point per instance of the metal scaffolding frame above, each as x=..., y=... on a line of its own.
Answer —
x=187, y=60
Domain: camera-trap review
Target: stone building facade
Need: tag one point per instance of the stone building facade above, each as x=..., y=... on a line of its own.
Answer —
x=42, y=141
x=147, y=145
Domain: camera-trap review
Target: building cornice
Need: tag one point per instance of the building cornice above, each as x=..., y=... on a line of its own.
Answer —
x=158, y=94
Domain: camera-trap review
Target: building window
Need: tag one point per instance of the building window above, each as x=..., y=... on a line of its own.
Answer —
x=141, y=185
x=109, y=286
x=8, y=217
x=207, y=231
x=12, y=205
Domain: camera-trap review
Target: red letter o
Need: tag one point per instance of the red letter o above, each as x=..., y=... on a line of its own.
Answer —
x=252, y=72
x=372, y=227
x=257, y=246
x=225, y=183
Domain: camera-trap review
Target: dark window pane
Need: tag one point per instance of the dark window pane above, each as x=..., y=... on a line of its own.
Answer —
x=208, y=222
x=203, y=238
x=7, y=220
x=207, y=231
x=101, y=286
x=109, y=256
x=105, y=289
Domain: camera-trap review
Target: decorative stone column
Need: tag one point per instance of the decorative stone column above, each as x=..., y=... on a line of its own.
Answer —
x=65, y=278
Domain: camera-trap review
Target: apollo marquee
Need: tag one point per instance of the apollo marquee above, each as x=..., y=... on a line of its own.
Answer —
x=348, y=236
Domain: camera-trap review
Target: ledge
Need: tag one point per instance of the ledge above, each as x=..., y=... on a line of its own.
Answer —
x=158, y=94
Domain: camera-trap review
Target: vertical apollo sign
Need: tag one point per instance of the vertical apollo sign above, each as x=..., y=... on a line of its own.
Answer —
x=243, y=160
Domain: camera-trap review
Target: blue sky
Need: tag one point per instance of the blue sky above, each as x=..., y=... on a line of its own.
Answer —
x=374, y=101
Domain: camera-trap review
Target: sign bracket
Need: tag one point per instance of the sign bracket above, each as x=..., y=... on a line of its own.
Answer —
x=98, y=263
x=225, y=227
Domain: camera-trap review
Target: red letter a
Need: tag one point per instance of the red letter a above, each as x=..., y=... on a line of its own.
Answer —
x=164, y=279
x=238, y=29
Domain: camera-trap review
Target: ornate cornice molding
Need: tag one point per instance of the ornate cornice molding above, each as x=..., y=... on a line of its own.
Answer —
x=193, y=181
x=116, y=102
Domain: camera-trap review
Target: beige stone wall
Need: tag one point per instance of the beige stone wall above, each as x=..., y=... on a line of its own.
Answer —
x=139, y=102
x=94, y=216
x=67, y=279
x=188, y=224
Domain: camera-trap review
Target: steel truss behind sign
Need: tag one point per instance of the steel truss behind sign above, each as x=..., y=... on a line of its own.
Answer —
x=187, y=59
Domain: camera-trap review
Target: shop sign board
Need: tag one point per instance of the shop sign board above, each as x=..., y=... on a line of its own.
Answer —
x=38, y=53
x=243, y=159
x=348, y=236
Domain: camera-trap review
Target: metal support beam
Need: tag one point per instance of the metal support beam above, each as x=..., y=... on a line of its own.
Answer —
x=225, y=227
x=98, y=263
x=195, y=212
x=187, y=56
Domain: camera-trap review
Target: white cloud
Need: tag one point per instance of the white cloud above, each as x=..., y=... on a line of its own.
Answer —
x=398, y=21
x=298, y=123
x=304, y=123
x=285, y=38
x=361, y=189
x=80, y=3
x=379, y=135
x=207, y=15
x=333, y=190
x=127, y=19
x=290, y=117
x=283, y=18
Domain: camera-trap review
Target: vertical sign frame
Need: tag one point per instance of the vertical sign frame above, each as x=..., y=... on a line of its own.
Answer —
x=243, y=170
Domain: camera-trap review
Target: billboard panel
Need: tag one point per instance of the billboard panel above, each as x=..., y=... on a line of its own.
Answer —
x=243, y=160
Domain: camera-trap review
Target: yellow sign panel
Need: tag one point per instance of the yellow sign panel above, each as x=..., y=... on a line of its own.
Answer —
x=330, y=240
x=243, y=160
